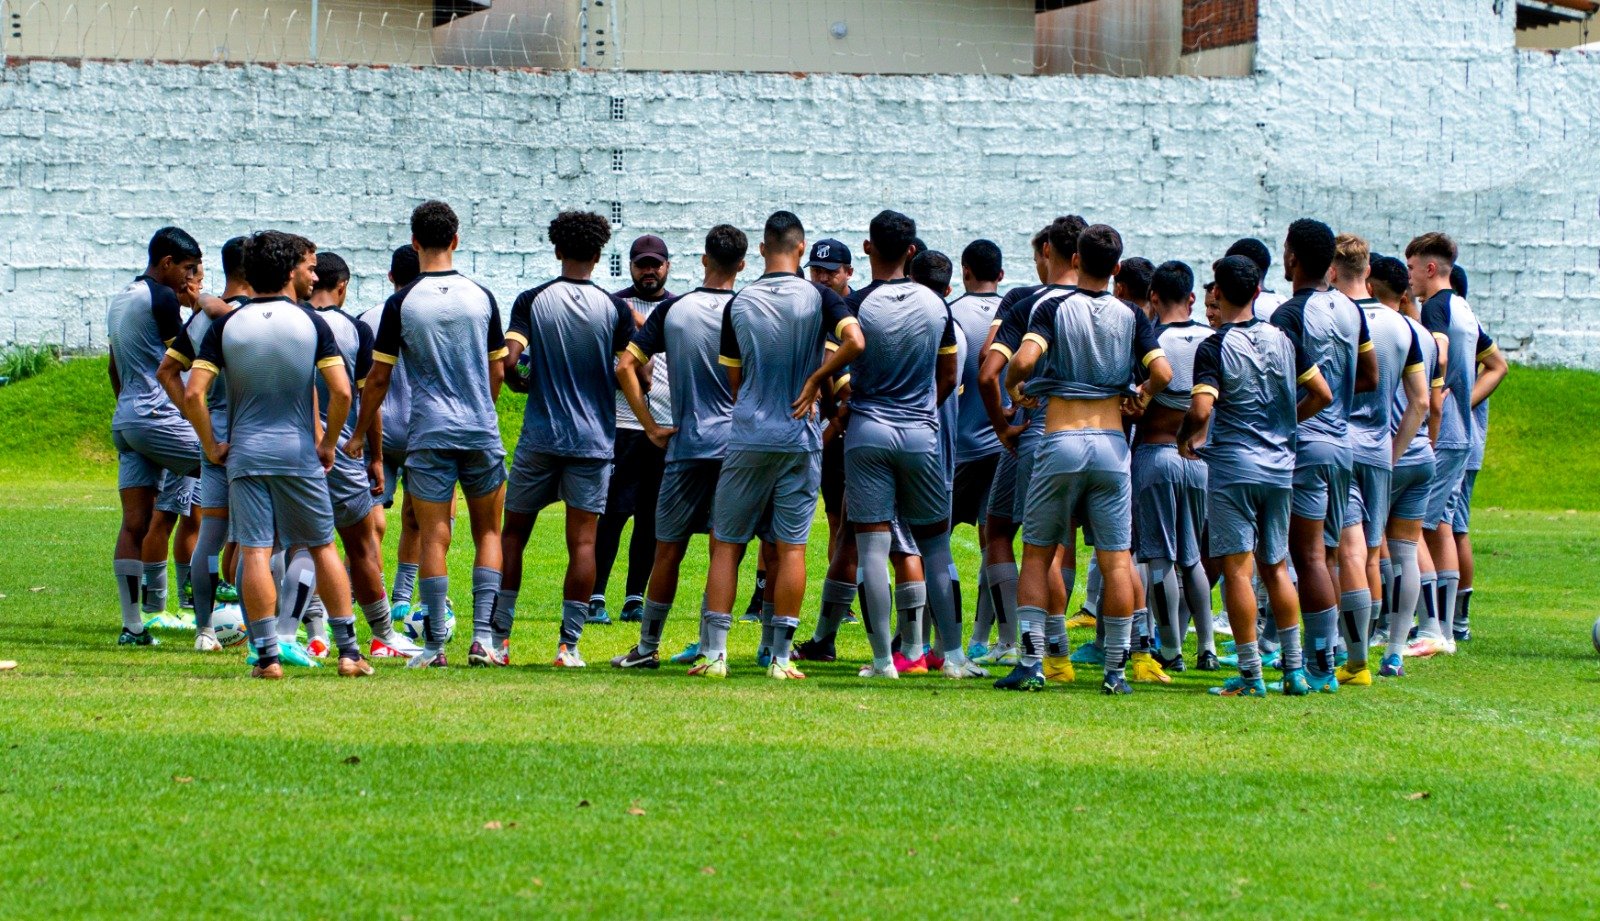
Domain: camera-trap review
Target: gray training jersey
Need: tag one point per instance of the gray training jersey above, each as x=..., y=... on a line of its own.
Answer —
x=447, y=329
x=354, y=341
x=974, y=314
x=272, y=349
x=1420, y=450
x=774, y=330
x=1092, y=343
x=397, y=401
x=186, y=348
x=1449, y=318
x=1332, y=331
x=659, y=398
x=688, y=329
x=1372, y=416
x=1179, y=342
x=572, y=332
x=893, y=382
x=1252, y=370
x=141, y=321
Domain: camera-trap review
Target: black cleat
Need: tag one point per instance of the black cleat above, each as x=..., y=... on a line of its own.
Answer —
x=1115, y=687
x=632, y=612
x=633, y=658
x=1173, y=665
x=814, y=651
x=1207, y=661
x=142, y=638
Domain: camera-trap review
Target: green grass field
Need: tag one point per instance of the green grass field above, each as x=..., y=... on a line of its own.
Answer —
x=160, y=782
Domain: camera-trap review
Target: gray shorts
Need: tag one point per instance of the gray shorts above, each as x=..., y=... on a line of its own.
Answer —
x=351, y=493
x=1027, y=455
x=1368, y=504
x=1082, y=478
x=1449, y=469
x=1408, y=492
x=213, y=485
x=143, y=451
x=684, y=505
x=1003, y=492
x=432, y=474
x=899, y=475
x=1169, y=504
x=280, y=511
x=1245, y=517
x=1461, y=506
x=394, y=469
x=769, y=488
x=538, y=479
x=1321, y=491
x=176, y=494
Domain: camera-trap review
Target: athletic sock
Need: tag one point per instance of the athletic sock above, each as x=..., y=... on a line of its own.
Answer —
x=1266, y=621
x=783, y=629
x=943, y=603
x=1427, y=616
x=872, y=548
x=128, y=573
x=911, y=607
x=485, y=594
x=207, y=562
x=1463, y=606
x=505, y=614
x=344, y=636
x=154, y=587
x=378, y=619
x=768, y=611
x=1166, y=595
x=296, y=588
x=1003, y=595
x=1386, y=574
x=1290, y=656
x=1197, y=597
x=837, y=597
x=405, y=581
x=1144, y=631
x=983, y=618
x=652, y=620
x=1407, y=587
x=185, y=582
x=1249, y=661
x=1030, y=623
x=1056, y=642
x=1093, y=588
x=715, y=627
x=1119, y=632
x=316, y=620
x=573, y=614
x=1069, y=575
x=1355, y=619
x=955, y=591
x=435, y=596
x=760, y=592
x=1321, y=629
x=264, y=639
x=1445, y=608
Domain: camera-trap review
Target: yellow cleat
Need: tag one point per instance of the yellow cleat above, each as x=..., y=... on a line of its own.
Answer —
x=1059, y=669
x=1143, y=668
x=1082, y=620
x=1361, y=678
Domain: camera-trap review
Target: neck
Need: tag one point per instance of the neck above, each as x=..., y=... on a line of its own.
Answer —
x=1391, y=304
x=325, y=299
x=983, y=287
x=722, y=281
x=1231, y=314
x=579, y=271
x=234, y=289
x=1434, y=286
x=435, y=260
x=1091, y=283
x=287, y=293
x=1166, y=315
x=887, y=272
x=1060, y=273
x=1353, y=288
x=789, y=264
x=1301, y=282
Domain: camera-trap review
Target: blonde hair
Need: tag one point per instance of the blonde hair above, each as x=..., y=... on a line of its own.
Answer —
x=1351, y=256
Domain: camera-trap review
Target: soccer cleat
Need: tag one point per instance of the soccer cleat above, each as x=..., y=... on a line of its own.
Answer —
x=1426, y=647
x=1089, y=653
x=227, y=593
x=1058, y=669
x=186, y=598
x=1221, y=624
x=207, y=642
x=1240, y=687
x=142, y=638
x=1173, y=665
x=1206, y=661
x=1361, y=677
x=750, y=617
x=1023, y=678
x=1294, y=683
x=905, y=666
x=165, y=621
x=1144, y=669
x=850, y=620
x=1462, y=632
x=394, y=646
x=273, y=672
x=318, y=647
x=426, y=659
x=783, y=671
x=490, y=656
x=711, y=668
x=1326, y=684
x=1341, y=656
x=1269, y=659
x=872, y=671
x=1449, y=646
x=689, y=656
x=1391, y=667
x=814, y=650
x=1082, y=620
x=633, y=658
x=597, y=613
x=354, y=668
x=976, y=650
x=632, y=611
x=1114, y=686
x=1378, y=639
x=999, y=655
x=966, y=669
x=763, y=657
x=934, y=660
x=568, y=658
x=289, y=653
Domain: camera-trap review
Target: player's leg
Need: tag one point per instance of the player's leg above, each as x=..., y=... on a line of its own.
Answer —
x=1308, y=525
x=153, y=556
x=651, y=464
x=1461, y=523
x=408, y=556
x=682, y=508
x=794, y=506
x=619, y=505
x=1237, y=575
x=483, y=477
x=838, y=594
x=138, y=507
x=363, y=549
x=1107, y=501
x=870, y=506
x=206, y=565
x=1450, y=468
x=1047, y=525
x=1404, y=536
x=910, y=602
x=1000, y=561
x=743, y=492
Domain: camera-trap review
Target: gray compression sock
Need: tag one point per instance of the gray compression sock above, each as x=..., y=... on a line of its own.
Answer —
x=872, y=548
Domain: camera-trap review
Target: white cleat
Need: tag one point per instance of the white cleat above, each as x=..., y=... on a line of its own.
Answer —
x=393, y=646
x=784, y=672
x=1221, y=624
x=1378, y=638
x=426, y=659
x=1425, y=647
x=206, y=641
x=955, y=671
x=999, y=655
x=568, y=658
x=872, y=671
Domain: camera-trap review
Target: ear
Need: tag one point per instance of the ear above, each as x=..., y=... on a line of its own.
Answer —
x=455, y=241
x=1001, y=278
x=1117, y=270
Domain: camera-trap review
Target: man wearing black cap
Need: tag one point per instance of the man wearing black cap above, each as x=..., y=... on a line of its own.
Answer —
x=638, y=463
x=829, y=266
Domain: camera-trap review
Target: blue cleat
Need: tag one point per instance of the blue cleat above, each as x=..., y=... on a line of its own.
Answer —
x=1023, y=678
x=142, y=638
x=1341, y=657
x=977, y=650
x=1294, y=683
x=689, y=656
x=290, y=653
x=1240, y=687
x=763, y=657
x=1324, y=684
x=1115, y=687
x=1391, y=667
x=1268, y=659
x=598, y=614
x=1089, y=653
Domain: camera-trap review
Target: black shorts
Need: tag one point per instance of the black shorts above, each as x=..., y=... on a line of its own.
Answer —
x=970, y=497
x=833, y=477
x=637, y=467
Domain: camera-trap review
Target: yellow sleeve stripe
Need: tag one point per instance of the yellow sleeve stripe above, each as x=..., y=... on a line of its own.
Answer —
x=1367, y=346
x=517, y=338
x=844, y=324
x=1443, y=339
x=169, y=341
x=330, y=361
x=997, y=322
x=830, y=346
x=361, y=383
x=962, y=390
x=1437, y=383
x=637, y=352
x=499, y=353
x=1206, y=389
x=180, y=358
x=997, y=347
x=841, y=382
x=1038, y=340
x=1154, y=354
x=1311, y=372
x=205, y=366
x=1413, y=369
x=1488, y=351
x=948, y=350
x=727, y=362
x=386, y=358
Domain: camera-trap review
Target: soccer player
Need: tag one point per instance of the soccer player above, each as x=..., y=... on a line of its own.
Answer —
x=1170, y=490
x=1090, y=343
x=171, y=525
x=1412, y=458
x=568, y=333
x=1373, y=436
x=1491, y=371
x=142, y=321
x=1332, y=331
x=638, y=461
x=274, y=349
x=446, y=328
x=209, y=562
x=1133, y=284
x=829, y=266
x=977, y=448
x=687, y=332
x=1242, y=421
x=1449, y=318
x=1268, y=301
x=772, y=347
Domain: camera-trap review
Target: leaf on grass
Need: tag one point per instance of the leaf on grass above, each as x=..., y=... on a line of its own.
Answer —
x=1080, y=808
x=911, y=852
x=538, y=883
x=492, y=825
x=353, y=759
x=583, y=804
x=1420, y=794
x=708, y=871
x=635, y=809
x=1502, y=906
x=182, y=778
x=36, y=588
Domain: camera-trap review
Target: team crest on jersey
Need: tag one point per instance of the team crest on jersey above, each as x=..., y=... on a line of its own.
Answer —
x=266, y=315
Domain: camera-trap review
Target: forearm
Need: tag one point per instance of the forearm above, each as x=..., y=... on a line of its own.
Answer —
x=372, y=395
x=628, y=378
x=1488, y=382
x=338, y=411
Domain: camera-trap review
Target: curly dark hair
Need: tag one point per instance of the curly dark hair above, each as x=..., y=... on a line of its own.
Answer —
x=434, y=224
x=1313, y=243
x=270, y=256
x=579, y=235
x=726, y=245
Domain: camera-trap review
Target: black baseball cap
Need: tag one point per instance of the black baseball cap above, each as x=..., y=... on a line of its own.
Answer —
x=649, y=246
x=828, y=254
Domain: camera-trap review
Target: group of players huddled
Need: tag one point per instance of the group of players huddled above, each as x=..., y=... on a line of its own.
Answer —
x=1315, y=454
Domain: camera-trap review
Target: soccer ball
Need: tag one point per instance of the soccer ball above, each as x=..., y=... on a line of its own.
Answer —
x=414, y=627
x=1594, y=634
x=227, y=621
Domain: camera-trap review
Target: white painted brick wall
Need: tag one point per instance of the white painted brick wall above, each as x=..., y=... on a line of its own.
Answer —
x=1387, y=118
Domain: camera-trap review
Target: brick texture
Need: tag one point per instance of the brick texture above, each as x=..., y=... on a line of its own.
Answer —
x=1218, y=24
